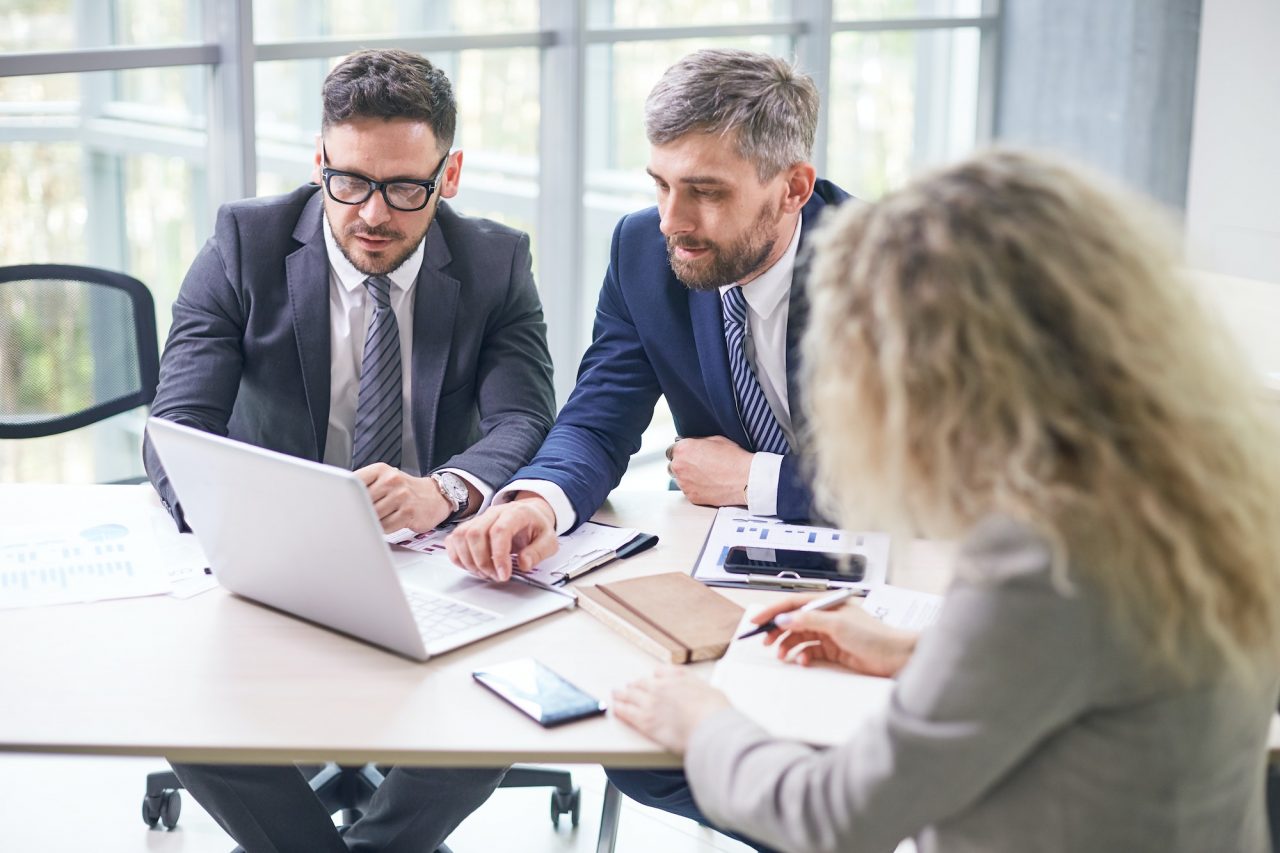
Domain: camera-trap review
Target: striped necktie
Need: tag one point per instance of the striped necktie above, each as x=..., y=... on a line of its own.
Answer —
x=762, y=427
x=379, y=414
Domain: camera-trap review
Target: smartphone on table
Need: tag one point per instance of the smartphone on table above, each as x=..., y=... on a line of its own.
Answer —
x=539, y=692
x=746, y=560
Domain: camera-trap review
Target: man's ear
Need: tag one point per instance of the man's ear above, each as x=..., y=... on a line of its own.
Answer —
x=452, y=174
x=799, y=181
x=316, y=178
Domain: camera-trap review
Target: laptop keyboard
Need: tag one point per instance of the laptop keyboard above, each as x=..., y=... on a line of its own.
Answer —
x=438, y=616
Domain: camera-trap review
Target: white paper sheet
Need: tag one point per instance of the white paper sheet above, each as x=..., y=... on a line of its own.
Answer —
x=49, y=564
x=182, y=557
x=583, y=549
x=735, y=526
x=903, y=608
x=818, y=704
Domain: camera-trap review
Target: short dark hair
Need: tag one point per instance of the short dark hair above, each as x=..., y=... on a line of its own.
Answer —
x=389, y=84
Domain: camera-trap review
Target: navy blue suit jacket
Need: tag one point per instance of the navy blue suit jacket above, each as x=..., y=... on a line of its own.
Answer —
x=653, y=336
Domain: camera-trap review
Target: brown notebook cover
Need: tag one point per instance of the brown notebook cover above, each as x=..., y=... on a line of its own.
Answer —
x=671, y=615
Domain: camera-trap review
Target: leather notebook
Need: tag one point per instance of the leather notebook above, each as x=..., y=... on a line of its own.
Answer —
x=671, y=615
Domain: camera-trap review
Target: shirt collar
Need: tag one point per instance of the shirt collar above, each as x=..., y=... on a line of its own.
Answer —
x=351, y=278
x=765, y=292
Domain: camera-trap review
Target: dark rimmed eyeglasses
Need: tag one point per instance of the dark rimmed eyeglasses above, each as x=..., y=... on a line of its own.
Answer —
x=402, y=194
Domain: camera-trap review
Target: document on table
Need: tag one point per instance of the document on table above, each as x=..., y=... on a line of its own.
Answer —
x=903, y=608
x=584, y=549
x=819, y=704
x=183, y=559
x=55, y=565
x=735, y=526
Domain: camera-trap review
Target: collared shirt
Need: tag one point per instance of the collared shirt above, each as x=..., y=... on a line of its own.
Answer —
x=350, y=307
x=768, y=307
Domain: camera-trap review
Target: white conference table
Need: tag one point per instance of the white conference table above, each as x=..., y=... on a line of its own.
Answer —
x=216, y=678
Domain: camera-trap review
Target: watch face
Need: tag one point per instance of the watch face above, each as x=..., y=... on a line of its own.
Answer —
x=454, y=489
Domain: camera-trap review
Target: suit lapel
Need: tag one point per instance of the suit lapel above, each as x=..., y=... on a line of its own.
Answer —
x=713, y=357
x=307, y=276
x=798, y=314
x=435, y=305
x=798, y=303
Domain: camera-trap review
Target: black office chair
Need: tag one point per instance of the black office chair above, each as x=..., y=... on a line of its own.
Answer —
x=349, y=788
x=77, y=345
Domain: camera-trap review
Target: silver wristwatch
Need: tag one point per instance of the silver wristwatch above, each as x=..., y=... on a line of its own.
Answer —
x=455, y=491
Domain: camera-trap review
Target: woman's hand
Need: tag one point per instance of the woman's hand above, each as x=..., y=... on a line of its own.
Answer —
x=848, y=636
x=667, y=706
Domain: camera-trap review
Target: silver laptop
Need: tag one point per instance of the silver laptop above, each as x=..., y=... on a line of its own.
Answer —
x=303, y=537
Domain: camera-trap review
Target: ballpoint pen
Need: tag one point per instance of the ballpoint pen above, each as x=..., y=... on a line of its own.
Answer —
x=826, y=602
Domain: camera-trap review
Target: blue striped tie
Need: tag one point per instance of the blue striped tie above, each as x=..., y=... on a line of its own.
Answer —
x=762, y=427
x=379, y=409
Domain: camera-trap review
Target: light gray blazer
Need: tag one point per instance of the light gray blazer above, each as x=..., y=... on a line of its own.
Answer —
x=1023, y=722
x=248, y=354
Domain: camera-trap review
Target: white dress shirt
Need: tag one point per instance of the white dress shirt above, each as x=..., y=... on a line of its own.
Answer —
x=350, y=307
x=768, y=307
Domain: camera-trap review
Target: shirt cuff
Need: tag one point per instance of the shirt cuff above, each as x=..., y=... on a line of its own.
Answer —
x=548, y=491
x=762, y=483
x=485, y=490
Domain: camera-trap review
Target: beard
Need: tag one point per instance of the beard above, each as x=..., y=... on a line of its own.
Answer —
x=741, y=259
x=386, y=261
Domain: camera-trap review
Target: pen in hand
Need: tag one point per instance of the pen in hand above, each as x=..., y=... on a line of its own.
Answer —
x=826, y=602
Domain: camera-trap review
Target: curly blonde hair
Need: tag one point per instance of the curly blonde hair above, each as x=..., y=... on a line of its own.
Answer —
x=1011, y=335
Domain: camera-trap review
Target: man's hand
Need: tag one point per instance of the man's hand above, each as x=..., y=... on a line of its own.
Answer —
x=524, y=528
x=710, y=471
x=402, y=500
x=667, y=706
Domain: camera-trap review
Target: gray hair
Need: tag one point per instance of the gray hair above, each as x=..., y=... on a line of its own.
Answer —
x=769, y=106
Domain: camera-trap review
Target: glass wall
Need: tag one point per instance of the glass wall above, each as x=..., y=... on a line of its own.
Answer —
x=117, y=158
x=104, y=169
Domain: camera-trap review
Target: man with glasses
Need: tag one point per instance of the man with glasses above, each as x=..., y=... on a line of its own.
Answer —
x=364, y=323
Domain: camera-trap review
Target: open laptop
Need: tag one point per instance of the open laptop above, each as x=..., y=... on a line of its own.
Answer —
x=303, y=537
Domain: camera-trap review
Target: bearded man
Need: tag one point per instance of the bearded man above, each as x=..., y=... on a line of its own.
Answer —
x=703, y=303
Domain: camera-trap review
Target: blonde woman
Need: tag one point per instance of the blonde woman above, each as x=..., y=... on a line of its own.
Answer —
x=1001, y=353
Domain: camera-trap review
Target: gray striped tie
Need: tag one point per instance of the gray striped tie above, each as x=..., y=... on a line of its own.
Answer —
x=753, y=408
x=379, y=410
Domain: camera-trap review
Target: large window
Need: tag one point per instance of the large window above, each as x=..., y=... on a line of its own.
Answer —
x=124, y=123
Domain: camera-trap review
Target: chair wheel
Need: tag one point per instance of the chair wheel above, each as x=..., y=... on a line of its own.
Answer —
x=150, y=812
x=170, y=809
x=165, y=808
x=570, y=804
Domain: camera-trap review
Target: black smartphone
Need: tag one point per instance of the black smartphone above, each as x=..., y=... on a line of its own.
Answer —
x=745, y=560
x=537, y=691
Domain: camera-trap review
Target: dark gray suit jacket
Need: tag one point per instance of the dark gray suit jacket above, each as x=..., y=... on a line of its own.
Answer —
x=248, y=354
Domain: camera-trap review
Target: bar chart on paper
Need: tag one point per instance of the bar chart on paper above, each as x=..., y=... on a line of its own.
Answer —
x=773, y=533
x=57, y=566
x=733, y=526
